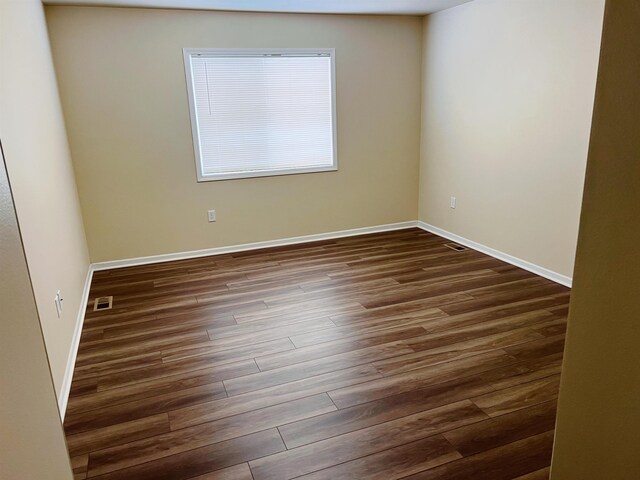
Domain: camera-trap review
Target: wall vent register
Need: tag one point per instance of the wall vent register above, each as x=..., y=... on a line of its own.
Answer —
x=102, y=303
x=455, y=246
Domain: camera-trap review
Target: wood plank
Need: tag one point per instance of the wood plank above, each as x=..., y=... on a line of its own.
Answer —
x=468, y=348
x=559, y=327
x=167, y=326
x=498, y=431
x=394, y=463
x=344, y=293
x=456, y=332
x=535, y=369
x=141, y=390
x=125, y=412
x=417, y=379
x=385, y=320
x=549, y=292
x=412, y=254
x=79, y=466
x=83, y=385
x=355, y=342
x=519, y=396
x=91, y=335
x=117, y=434
x=500, y=319
x=240, y=296
x=502, y=463
x=249, y=328
x=182, y=440
x=223, y=367
x=383, y=410
x=275, y=333
x=539, y=348
x=560, y=310
x=237, y=472
x=332, y=286
x=367, y=441
x=214, y=355
x=465, y=265
x=315, y=309
x=459, y=283
x=518, y=283
x=124, y=348
x=201, y=460
x=336, y=333
x=270, y=396
x=397, y=311
x=257, y=381
x=109, y=367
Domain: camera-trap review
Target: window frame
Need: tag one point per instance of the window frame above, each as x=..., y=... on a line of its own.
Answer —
x=188, y=53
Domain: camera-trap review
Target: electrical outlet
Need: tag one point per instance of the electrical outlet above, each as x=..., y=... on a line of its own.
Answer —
x=60, y=301
x=211, y=215
x=453, y=202
x=57, y=300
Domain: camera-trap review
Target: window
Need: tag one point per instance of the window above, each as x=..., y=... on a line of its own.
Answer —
x=261, y=112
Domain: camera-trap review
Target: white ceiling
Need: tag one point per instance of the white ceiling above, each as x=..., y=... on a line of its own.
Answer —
x=394, y=7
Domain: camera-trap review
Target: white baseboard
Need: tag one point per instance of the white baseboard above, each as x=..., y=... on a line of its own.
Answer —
x=169, y=257
x=66, y=385
x=63, y=398
x=531, y=267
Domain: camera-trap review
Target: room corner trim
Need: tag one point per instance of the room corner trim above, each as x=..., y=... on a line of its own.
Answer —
x=169, y=257
x=63, y=397
x=531, y=267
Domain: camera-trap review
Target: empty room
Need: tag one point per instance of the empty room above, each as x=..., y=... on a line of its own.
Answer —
x=319, y=239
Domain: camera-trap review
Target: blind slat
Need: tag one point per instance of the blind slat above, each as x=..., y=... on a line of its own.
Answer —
x=263, y=113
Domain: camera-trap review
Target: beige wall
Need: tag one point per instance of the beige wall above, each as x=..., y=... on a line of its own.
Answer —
x=598, y=430
x=508, y=90
x=123, y=89
x=31, y=438
x=35, y=146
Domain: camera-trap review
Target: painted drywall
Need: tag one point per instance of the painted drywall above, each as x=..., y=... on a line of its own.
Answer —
x=123, y=89
x=32, y=442
x=508, y=89
x=598, y=429
x=41, y=173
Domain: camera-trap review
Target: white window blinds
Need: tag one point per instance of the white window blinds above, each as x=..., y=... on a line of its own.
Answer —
x=257, y=113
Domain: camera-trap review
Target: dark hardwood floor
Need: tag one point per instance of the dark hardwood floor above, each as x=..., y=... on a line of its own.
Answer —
x=383, y=356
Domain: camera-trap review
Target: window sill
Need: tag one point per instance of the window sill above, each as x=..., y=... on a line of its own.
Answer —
x=263, y=173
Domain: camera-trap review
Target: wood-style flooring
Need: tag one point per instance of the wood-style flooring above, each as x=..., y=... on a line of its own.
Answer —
x=383, y=356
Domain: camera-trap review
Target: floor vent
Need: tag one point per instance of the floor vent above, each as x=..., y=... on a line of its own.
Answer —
x=456, y=247
x=102, y=303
